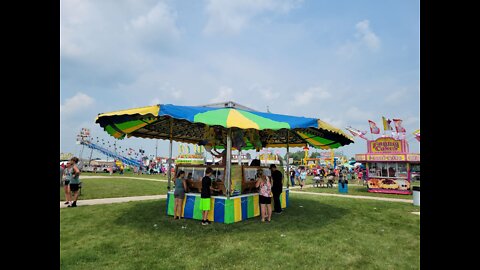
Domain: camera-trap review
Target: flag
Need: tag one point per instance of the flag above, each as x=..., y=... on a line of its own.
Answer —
x=417, y=134
x=398, y=125
x=356, y=132
x=373, y=127
x=386, y=124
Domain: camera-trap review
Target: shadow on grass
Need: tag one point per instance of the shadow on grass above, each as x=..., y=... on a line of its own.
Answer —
x=303, y=214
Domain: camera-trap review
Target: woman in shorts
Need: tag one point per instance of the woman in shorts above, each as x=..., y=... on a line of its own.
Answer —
x=179, y=194
x=265, y=196
x=66, y=177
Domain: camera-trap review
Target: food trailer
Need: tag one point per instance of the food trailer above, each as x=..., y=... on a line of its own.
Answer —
x=388, y=165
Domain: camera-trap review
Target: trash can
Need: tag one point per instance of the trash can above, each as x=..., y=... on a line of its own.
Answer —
x=416, y=196
x=343, y=187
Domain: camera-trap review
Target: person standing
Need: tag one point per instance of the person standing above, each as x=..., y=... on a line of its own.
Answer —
x=75, y=181
x=292, y=177
x=297, y=175
x=179, y=194
x=303, y=177
x=277, y=188
x=205, y=195
x=264, y=197
x=66, y=177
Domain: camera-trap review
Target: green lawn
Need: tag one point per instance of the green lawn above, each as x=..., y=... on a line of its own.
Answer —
x=315, y=232
x=356, y=190
x=131, y=174
x=98, y=188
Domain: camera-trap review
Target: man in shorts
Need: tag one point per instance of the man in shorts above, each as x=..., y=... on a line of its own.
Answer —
x=205, y=195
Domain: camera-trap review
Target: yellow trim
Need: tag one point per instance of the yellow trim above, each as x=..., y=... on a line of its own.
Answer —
x=237, y=208
x=212, y=207
x=285, y=145
x=327, y=126
x=312, y=141
x=256, y=208
x=142, y=111
x=139, y=126
x=284, y=199
x=236, y=119
x=183, y=205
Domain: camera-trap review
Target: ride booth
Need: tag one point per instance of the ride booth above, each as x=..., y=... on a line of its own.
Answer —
x=388, y=165
x=243, y=203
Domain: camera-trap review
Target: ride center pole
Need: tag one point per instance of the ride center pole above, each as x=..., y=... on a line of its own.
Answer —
x=227, y=168
x=288, y=160
x=170, y=156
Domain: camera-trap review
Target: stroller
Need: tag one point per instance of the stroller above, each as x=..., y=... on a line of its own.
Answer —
x=330, y=181
x=318, y=181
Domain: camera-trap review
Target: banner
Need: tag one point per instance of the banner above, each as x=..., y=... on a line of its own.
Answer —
x=356, y=132
x=373, y=127
x=386, y=124
x=417, y=134
x=398, y=125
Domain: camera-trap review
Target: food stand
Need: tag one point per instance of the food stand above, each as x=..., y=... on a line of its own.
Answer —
x=388, y=163
x=241, y=205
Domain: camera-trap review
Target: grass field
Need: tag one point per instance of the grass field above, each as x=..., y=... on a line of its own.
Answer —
x=315, y=232
x=112, y=187
x=118, y=186
x=356, y=190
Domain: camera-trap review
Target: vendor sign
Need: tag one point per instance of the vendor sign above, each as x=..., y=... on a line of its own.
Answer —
x=386, y=145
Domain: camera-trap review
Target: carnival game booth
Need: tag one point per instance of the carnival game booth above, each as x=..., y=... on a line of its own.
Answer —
x=242, y=204
x=388, y=163
x=222, y=126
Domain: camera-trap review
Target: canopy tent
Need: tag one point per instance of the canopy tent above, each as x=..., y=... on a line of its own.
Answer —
x=219, y=127
x=190, y=124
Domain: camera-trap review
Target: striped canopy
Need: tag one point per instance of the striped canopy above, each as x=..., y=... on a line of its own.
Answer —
x=208, y=125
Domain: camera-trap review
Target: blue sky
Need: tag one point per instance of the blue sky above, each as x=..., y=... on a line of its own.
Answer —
x=345, y=62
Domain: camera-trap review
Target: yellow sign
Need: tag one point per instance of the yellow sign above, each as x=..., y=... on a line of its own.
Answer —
x=386, y=145
x=413, y=157
x=360, y=157
x=386, y=158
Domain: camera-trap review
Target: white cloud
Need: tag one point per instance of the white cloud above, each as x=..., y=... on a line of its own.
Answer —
x=159, y=20
x=355, y=114
x=367, y=36
x=396, y=97
x=266, y=92
x=224, y=94
x=229, y=16
x=176, y=93
x=155, y=101
x=310, y=95
x=79, y=102
x=347, y=50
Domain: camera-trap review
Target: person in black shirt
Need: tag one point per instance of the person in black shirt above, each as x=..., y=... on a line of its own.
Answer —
x=277, y=188
x=205, y=195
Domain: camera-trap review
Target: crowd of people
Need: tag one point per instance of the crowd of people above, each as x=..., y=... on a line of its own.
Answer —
x=322, y=173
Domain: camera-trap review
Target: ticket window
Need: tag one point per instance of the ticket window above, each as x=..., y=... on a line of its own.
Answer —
x=388, y=170
x=218, y=175
x=402, y=170
x=250, y=173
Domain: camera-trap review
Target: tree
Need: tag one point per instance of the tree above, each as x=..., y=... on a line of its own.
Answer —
x=297, y=156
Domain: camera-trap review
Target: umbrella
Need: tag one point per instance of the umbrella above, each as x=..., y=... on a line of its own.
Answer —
x=207, y=125
x=220, y=127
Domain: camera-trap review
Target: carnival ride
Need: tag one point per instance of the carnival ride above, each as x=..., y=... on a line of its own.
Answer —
x=109, y=153
x=225, y=126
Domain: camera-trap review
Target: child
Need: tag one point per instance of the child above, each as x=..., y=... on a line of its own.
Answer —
x=205, y=195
